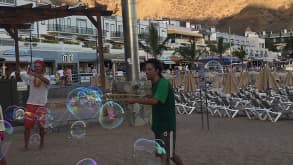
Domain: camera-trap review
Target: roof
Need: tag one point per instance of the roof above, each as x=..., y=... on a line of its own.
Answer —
x=186, y=33
x=23, y=59
x=22, y=16
x=22, y=52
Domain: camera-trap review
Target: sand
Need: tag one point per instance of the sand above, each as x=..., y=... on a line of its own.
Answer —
x=236, y=141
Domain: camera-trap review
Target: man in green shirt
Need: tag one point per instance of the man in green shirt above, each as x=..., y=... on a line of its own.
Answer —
x=163, y=110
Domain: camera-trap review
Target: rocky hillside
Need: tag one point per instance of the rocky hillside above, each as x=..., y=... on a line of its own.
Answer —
x=258, y=19
x=197, y=9
x=257, y=14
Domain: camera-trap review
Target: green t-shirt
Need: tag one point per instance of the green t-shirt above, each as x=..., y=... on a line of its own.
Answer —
x=163, y=113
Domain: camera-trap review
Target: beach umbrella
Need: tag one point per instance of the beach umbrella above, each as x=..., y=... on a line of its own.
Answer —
x=266, y=80
x=181, y=77
x=244, y=79
x=173, y=82
x=289, y=79
x=189, y=83
x=277, y=76
x=253, y=75
x=230, y=83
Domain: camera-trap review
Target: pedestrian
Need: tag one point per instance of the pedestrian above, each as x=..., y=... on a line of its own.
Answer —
x=2, y=136
x=163, y=110
x=60, y=73
x=38, y=95
x=68, y=76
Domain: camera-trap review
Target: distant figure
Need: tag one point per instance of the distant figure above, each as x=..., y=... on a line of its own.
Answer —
x=2, y=137
x=68, y=76
x=38, y=96
x=94, y=71
x=60, y=73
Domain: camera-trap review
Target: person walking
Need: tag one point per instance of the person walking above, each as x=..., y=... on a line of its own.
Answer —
x=60, y=73
x=163, y=110
x=68, y=76
x=2, y=137
x=38, y=95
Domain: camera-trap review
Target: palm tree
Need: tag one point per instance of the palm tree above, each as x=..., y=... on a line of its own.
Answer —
x=189, y=52
x=151, y=42
x=220, y=48
x=240, y=53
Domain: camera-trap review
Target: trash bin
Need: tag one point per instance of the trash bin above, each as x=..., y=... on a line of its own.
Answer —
x=8, y=94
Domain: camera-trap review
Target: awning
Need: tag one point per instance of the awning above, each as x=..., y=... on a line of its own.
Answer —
x=22, y=52
x=23, y=59
x=186, y=33
x=169, y=62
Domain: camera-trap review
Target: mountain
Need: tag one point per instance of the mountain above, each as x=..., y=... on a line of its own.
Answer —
x=196, y=9
x=257, y=14
x=258, y=19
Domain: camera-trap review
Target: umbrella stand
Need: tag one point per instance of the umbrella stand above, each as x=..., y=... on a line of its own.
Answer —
x=202, y=86
x=201, y=109
x=208, y=119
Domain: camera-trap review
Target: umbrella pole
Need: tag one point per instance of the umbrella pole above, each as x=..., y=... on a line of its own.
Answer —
x=208, y=120
x=202, y=112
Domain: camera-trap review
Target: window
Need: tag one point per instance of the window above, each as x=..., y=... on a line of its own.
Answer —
x=107, y=26
x=82, y=26
x=68, y=22
x=120, y=28
x=112, y=28
x=8, y=1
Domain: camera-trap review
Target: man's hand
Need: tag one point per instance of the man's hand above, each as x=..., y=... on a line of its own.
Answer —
x=29, y=71
x=2, y=135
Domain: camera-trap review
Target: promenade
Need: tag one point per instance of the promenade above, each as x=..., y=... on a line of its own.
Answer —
x=229, y=142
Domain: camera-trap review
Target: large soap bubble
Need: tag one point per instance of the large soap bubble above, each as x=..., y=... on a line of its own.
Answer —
x=84, y=102
x=147, y=152
x=111, y=115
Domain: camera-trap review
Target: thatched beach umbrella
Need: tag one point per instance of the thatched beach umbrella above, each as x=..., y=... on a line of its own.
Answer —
x=230, y=83
x=266, y=80
x=244, y=79
x=189, y=83
x=173, y=82
x=277, y=76
x=289, y=79
x=176, y=58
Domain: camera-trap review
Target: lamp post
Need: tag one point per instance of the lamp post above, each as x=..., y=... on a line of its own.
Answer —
x=31, y=50
x=130, y=39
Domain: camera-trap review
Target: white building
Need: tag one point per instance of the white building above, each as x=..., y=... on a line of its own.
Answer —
x=69, y=28
x=254, y=45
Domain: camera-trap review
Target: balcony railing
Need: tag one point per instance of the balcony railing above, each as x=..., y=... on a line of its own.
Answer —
x=7, y=2
x=116, y=34
x=72, y=29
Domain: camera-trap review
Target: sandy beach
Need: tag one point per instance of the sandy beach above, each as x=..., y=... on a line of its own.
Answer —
x=228, y=142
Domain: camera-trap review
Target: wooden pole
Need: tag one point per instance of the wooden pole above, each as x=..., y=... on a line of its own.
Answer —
x=101, y=53
x=16, y=53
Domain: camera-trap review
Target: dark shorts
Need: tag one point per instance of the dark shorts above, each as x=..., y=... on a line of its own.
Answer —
x=33, y=114
x=167, y=140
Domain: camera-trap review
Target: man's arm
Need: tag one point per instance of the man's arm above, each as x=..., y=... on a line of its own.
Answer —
x=42, y=78
x=145, y=101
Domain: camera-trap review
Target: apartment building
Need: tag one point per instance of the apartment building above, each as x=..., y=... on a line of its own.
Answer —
x=253, y=44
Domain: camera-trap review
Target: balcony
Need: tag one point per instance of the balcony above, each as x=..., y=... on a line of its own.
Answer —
x=7, y=2
x=116, y=34
x=71, y=29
